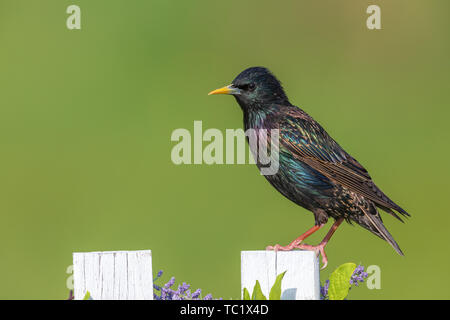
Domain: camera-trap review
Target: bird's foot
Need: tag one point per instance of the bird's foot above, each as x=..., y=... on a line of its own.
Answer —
x=319, y=249
x=294, y=244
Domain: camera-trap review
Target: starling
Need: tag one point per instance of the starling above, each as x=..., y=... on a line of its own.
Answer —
x=314, y=171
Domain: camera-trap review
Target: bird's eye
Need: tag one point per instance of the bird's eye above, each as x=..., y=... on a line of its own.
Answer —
x=251, y=87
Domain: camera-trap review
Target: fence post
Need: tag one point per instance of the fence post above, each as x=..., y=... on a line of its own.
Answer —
x=301, y=281
x=113, y=275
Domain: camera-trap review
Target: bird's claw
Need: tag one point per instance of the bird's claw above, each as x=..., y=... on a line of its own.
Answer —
x=324, y=258
x=319, y=249
x=293, y=245
x=274, y=248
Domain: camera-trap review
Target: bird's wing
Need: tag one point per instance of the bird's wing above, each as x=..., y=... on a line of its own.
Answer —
x=310, y=143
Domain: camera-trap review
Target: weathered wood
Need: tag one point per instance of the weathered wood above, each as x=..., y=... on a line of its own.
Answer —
x=113, y=275
x=301, y=281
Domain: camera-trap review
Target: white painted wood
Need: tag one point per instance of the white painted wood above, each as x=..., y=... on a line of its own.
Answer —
x=301, y=281
x=113, y=275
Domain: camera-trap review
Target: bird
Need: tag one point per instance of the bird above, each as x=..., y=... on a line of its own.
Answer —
x=314, y=171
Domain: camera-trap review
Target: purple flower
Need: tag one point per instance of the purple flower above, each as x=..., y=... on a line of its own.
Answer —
x=196, y=294
x=156, y=287
x=164, y=294
x=183, y=288
x=176, y=296
x=170, y=283
x=208, y=297
x=359, y=275
x=324, y=290
x=182, y=293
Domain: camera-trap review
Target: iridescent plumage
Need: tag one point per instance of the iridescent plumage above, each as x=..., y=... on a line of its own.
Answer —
x=314, y=171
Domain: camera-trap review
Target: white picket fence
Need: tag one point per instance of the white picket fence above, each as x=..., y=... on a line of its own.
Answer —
x=127, y=275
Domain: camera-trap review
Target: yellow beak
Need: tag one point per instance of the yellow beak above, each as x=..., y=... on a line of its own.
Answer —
x=225, y=90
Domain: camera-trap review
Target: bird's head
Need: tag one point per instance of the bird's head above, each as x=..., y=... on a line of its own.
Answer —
x=255, y=86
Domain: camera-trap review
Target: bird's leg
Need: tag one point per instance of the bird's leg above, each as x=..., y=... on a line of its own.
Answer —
x=320, y=248
x=296, y=242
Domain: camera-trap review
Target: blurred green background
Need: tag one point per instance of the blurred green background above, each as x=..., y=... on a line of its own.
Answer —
x=86, y=118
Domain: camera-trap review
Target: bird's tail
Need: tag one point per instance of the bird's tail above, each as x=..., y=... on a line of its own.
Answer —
x=373, y=223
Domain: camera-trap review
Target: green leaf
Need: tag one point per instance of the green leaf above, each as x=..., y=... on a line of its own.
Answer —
x=275, y=292
x=257, y=292
x=87, y=296
x=246, y=294
x=340, y=281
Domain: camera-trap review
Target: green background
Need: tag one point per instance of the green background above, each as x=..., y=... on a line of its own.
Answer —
x=86, y=118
